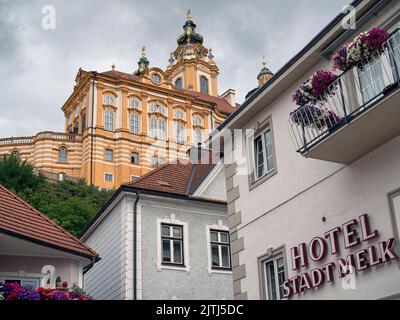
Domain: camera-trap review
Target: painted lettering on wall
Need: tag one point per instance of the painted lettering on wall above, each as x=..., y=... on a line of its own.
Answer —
x=351, y=234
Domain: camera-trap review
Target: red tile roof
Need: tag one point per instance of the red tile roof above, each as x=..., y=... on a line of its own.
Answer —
x=222, y=105
x=19, y=218
x=180, y=178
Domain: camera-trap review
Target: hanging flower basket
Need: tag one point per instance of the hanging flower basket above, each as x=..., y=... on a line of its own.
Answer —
x=312, y=116
x=366, y=46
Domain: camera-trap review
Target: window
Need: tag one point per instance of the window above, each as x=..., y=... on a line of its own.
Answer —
x=179, y=114
x=155, y=108
x=372, y=80
x=70, y=119
x=76, y=126
x=109, y=120
x=23, y=282
x=135, y=158
x=15, y=154
x=155, y=78
x=274, y=277
x=108, y=177
x=180, y=134
x=83, y=103
x=154, y=162
x=263, y=154
x=198, y=121
x=198, y=137
x=203, y=84
x=134, y=103
x=134, y=124
x=179, y=83
x=63, y=155
x=83, y=120
x=109, y=100
x=134, y=178
x=172, y=244
x=157, y=128
x=220, y=250
x=108, y=155
x=76, y=111
x=161, y=161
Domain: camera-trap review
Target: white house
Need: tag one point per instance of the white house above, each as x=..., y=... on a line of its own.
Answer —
x=313, y=196
x=164, y=236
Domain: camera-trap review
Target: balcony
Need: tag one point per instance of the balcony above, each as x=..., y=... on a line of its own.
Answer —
x=359, y=112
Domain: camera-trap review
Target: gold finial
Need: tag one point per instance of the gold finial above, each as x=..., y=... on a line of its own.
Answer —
x=264, y=60
x=189, y=14
x=113, y=66
x=143, y=51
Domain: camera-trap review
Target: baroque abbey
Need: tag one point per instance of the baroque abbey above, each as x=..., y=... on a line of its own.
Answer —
x=119, y=126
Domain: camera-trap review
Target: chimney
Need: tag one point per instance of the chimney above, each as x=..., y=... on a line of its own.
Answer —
x=230, y=96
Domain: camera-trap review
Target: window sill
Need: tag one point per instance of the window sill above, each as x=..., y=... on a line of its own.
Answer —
x=219, y=271
x=255, y=184
x=161, y=267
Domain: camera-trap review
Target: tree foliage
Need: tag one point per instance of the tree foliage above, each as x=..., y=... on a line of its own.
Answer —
x=72, y=205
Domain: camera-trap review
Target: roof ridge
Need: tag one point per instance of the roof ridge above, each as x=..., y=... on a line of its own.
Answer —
x=37, y=212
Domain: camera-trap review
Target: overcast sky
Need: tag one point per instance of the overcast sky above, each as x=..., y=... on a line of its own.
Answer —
x=38, y=66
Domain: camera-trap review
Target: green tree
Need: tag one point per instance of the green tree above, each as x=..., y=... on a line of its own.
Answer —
x=72, y=205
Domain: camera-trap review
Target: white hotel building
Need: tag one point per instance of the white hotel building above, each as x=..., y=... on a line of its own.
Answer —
x=324, y=198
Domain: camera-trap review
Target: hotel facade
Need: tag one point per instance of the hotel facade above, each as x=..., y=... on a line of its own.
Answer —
x=322, y=222
x=119, y=126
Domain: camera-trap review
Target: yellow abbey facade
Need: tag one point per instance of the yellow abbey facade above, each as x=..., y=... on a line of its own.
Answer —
x=119, y=126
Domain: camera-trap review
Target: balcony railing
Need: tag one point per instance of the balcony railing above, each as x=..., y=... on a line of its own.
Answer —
x=42, y=135
x=354, y=93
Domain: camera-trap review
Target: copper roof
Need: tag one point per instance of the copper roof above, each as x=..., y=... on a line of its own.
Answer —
x=20, y=219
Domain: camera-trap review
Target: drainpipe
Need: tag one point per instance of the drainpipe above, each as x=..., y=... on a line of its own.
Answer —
x=94, y=73
x=135, y=245
x=86, y=269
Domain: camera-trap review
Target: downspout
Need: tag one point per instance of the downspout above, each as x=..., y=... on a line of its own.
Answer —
x=86, y=269
x=135, y=245
x=91, y=131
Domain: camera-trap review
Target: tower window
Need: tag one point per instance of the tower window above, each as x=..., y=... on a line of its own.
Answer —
x=179, y=83
x=203, y=84
x=134, y=103
x=63, y=155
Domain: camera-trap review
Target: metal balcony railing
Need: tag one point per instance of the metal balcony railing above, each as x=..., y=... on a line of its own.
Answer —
x=352, y=94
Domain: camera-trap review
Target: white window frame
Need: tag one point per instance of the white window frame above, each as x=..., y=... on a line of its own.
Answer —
x=22, y=276
x=63, y=158
x=180, y=134
x=266, y=170
x=217, y=227
x=109, y=99
x=134, y=129
x=134, y=103
x=271, y=256
x=110, y=174
x=106, y=153
x=109, y=121
x=138, y=158
x=186, y=246
x=156, y=76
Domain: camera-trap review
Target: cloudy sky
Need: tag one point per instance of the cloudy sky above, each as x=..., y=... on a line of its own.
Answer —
x=38, y=66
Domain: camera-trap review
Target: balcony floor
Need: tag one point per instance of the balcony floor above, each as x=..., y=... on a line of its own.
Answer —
x=366, y=132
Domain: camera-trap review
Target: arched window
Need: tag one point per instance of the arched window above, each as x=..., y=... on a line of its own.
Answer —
x=198, y=121
x=134, y=124
x=15, y=154
x=155, y=108
x=180, y=134
x=134, y=103
x=179, y=114
x=83, y=120
x=179, y=83
x=203, y=84
x=108, y=120
x=63, y=155
x=109, y=100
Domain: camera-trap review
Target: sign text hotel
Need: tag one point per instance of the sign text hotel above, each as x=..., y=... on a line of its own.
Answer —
x=353, y=234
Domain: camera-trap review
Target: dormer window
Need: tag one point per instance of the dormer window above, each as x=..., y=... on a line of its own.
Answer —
x=109, y=100
x=179, y=83
x=155, y=78
x=134, y=103
x=203, y=84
